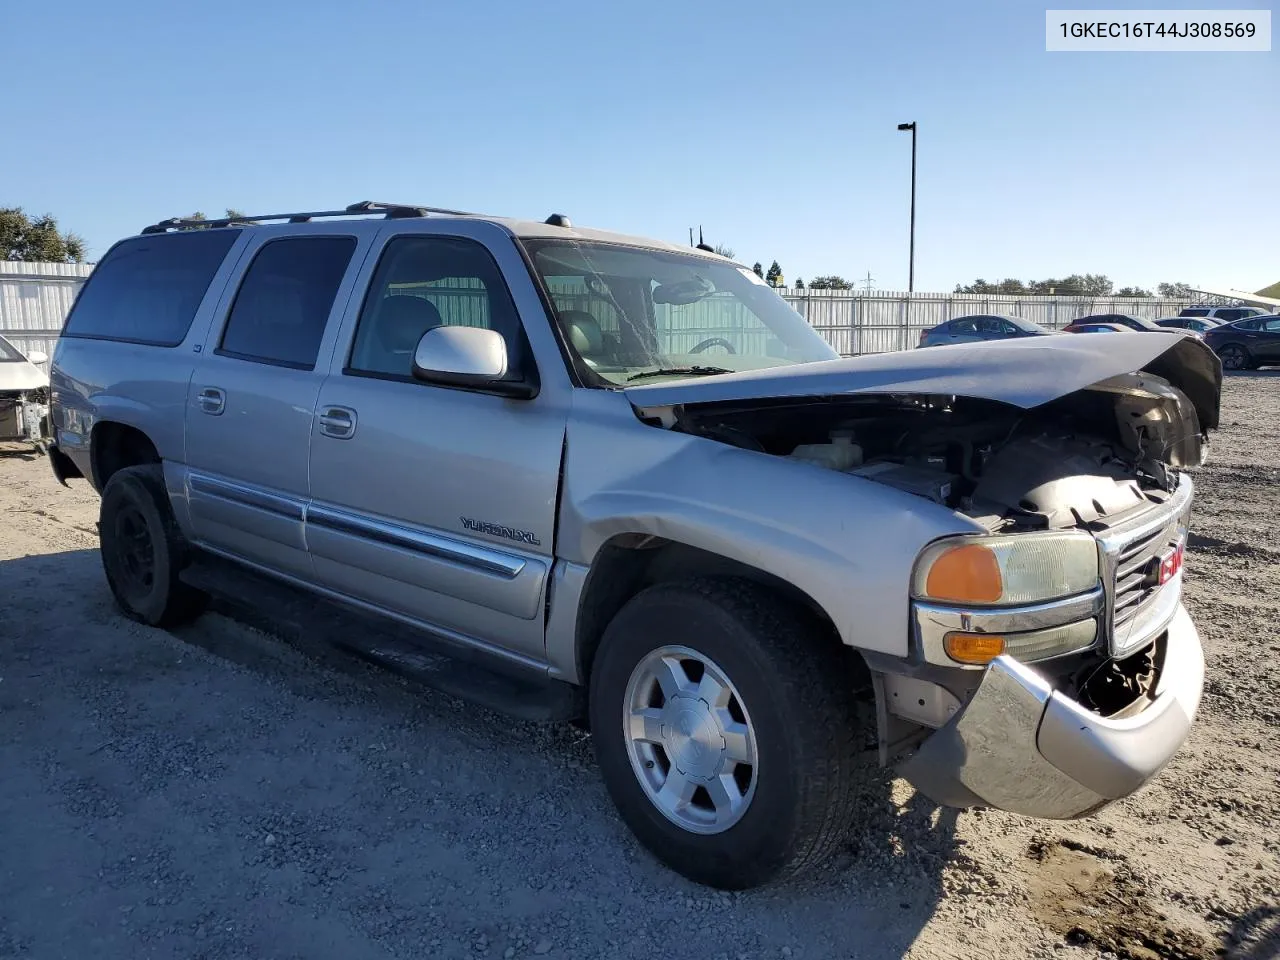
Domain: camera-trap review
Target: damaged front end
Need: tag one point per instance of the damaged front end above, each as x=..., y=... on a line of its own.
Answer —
x=1051, y=667
x=24, y=416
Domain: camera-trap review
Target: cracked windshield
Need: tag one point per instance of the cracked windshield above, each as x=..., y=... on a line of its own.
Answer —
x=634, y=315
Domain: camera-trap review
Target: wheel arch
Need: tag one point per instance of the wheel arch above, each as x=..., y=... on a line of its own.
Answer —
x=627, y=563
x=114, y=445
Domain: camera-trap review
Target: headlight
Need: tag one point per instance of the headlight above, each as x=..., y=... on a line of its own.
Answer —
x=1007, y=570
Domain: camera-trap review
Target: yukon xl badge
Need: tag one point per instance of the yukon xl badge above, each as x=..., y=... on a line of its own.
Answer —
x=497, y=530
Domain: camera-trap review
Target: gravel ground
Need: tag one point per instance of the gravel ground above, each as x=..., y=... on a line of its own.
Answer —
x=215, y=793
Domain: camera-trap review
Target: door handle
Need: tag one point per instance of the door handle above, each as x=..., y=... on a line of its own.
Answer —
x=338, y=422
x=212, y=401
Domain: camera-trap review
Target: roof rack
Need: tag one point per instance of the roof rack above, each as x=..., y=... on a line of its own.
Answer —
x=390, y=211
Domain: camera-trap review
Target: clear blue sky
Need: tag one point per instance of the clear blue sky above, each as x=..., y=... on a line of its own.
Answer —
x=771, y=124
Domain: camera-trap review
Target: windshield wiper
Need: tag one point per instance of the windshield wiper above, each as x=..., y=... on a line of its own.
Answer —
x=679, y=371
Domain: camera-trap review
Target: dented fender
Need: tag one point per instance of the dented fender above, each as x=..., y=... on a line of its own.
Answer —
x=846, y=542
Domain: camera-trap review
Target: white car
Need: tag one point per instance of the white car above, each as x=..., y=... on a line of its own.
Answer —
x=24, y=396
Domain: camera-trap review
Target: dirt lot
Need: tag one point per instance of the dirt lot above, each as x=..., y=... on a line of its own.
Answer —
x=219, y=794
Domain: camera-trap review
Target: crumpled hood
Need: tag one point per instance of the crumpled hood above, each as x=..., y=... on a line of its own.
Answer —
x=20, y=375
x=1024, y=373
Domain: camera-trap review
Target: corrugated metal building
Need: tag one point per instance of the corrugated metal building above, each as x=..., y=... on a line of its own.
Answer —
x=35, y=299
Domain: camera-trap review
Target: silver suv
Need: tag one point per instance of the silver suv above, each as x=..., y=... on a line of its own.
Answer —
x=622, y=482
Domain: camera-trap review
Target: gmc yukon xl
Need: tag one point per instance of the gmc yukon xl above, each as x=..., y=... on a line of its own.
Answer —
x=623, y=483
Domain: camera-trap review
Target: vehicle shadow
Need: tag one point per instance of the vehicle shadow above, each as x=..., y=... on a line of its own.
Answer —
x=442, y=820
x=13, y=451
x=1254, y=935
x=1262, y=373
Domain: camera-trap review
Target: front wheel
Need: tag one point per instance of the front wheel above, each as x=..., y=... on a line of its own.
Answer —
x=724, y=725
x=1235, y=357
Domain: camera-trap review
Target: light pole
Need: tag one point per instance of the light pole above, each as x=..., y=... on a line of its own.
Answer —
x=911, y=268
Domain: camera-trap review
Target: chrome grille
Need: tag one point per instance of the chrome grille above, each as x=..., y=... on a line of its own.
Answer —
x=1140, y=606
x=1134, y=584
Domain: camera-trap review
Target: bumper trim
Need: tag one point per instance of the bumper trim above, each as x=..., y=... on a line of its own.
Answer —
x=934, y=621
x=1019, y=746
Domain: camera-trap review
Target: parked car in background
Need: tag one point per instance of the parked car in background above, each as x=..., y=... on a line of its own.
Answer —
x=1123, y=319
x=1223, y=314
x=1196, y=325
x=24, y=395
x=1096, y=328
x=981, y=326
x=1248, y=343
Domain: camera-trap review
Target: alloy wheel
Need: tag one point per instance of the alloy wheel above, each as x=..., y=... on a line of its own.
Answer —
x=690, y=740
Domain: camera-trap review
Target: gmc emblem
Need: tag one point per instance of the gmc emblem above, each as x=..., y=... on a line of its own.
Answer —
x=1167, y=565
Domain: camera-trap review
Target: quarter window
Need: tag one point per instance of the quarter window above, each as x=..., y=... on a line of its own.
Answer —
x=147, y=289
x=283, y=305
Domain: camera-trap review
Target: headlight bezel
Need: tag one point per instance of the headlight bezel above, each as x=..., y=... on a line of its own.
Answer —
x=1046, y=595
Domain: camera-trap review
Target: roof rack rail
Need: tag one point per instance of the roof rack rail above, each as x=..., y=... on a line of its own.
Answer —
x=391, y=211
x=394, y=210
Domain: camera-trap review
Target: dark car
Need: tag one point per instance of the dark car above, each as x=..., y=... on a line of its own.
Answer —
x=1096, y=328
x=982, y=326
x=1248, y=343
x=1194, y=324
x=1123, y=319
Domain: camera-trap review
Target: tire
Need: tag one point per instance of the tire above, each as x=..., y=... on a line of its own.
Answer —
x=1235, y=357
x=143, y=550
x=795, y=695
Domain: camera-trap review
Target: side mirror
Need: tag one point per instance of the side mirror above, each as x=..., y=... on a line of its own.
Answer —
x=461, y=357
x=37, y=357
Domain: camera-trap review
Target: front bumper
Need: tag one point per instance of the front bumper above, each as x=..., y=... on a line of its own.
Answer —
x=1020, y=746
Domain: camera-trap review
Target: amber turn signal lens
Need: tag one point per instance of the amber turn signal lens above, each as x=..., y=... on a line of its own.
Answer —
x=966, y=574
x=978, y=648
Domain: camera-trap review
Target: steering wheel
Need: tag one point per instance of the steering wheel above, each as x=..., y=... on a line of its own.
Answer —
x=713, y=342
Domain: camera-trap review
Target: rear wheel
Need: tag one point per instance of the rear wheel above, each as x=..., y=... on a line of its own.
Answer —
x=143, y=551
x=1235, y=357
x=723, y=722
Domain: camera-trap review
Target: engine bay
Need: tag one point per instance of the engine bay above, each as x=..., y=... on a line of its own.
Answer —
x=1067, y=464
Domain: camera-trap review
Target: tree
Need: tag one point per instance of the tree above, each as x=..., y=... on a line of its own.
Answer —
x=1132, y=292
x=1175, y=291
x=37, y=239
x=726, y=252
x=231, y=214
x=829, y=283
x=799, y=283
x=758, y=270
x=1076, y=285
x=774, y=276
x=978, y=286
x=1009, y=287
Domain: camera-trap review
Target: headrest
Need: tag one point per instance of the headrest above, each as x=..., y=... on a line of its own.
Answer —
x=584, y=331
x=403, y=319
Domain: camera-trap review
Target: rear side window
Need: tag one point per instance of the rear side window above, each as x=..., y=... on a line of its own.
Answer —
x=147, y=289
x=283, y=304
x=1195, y=312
